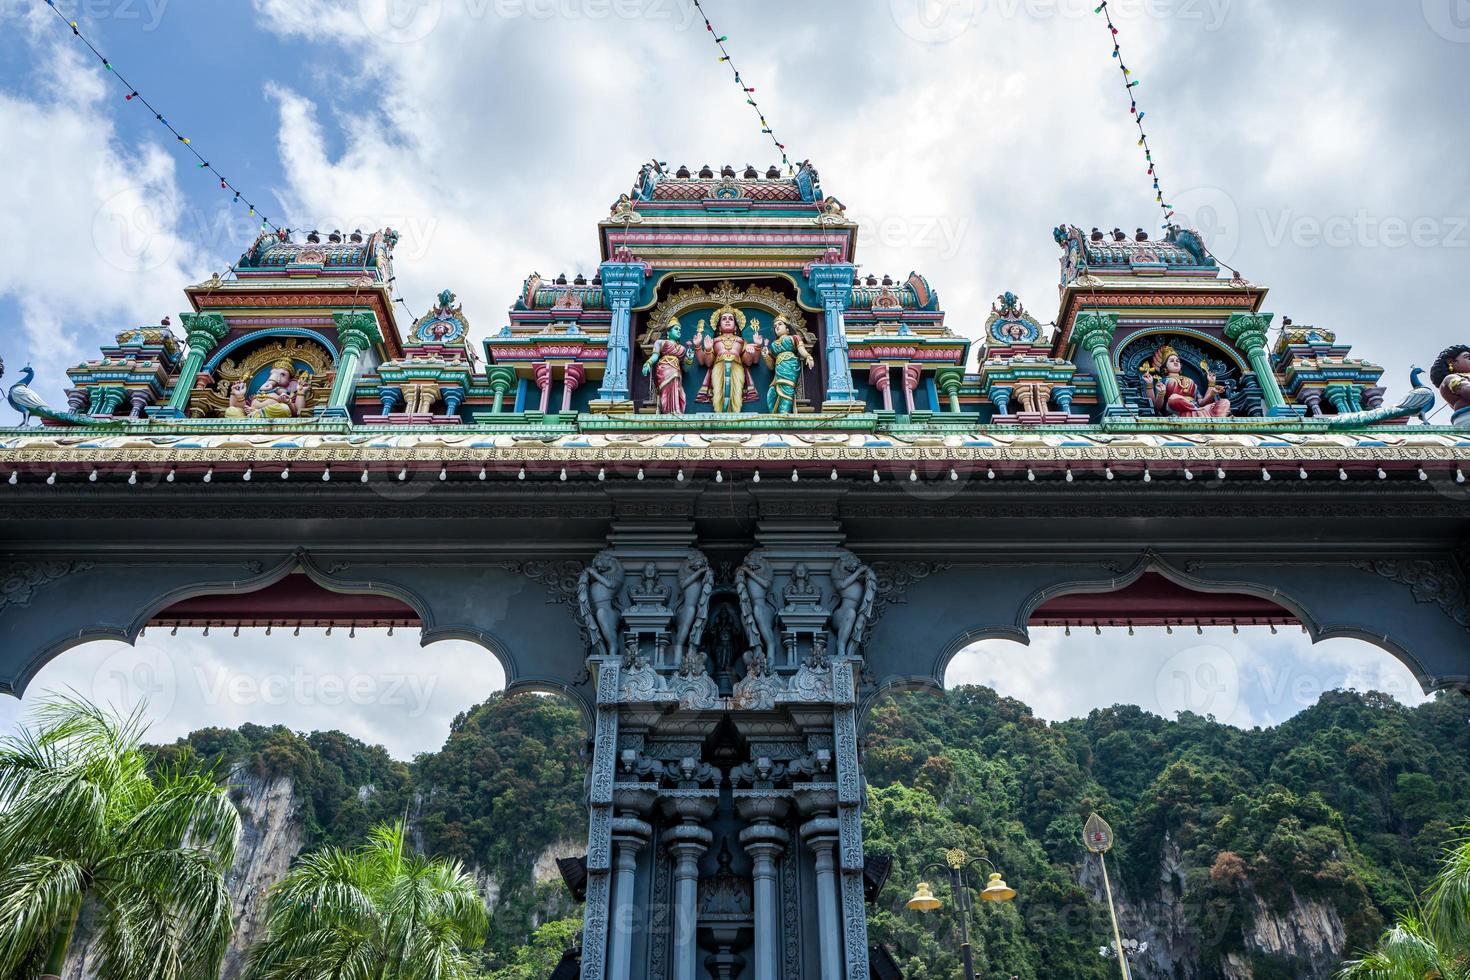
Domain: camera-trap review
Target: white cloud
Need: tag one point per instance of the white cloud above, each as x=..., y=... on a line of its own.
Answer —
x=383, y=690
x=118, y=208
x=502, y=129
x=1246, y=679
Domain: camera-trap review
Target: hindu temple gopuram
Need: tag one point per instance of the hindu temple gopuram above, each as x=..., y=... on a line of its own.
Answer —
x=727, y=492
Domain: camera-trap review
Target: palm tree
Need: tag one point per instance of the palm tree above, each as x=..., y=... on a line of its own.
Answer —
x=375, y=912
x=1434, y=945
x=84, y=823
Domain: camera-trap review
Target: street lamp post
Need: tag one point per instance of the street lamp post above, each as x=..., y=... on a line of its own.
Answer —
x=1097, y=835
x=956, y=864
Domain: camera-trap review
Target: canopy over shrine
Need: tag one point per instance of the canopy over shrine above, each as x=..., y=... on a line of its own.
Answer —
x=724, y=494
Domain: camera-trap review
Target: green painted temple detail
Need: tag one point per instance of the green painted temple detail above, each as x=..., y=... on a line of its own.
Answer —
x=725, y=494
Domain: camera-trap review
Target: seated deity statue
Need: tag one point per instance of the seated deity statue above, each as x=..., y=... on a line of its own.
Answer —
x=282, y=395
x=1451, y=375
x=1173, y=393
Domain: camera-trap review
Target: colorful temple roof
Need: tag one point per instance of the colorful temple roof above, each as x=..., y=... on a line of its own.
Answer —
x=726, y=314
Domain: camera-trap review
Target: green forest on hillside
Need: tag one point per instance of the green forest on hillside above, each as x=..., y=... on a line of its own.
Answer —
x=1349, y=804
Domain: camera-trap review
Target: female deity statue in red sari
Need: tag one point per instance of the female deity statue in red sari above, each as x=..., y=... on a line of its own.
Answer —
x=1175, y=394
x=666, y=364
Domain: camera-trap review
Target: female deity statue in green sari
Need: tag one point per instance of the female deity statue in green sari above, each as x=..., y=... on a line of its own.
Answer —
x=785, y=356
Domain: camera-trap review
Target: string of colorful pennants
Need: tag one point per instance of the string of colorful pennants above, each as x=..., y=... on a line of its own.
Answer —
x=747, y=90
x=1130, y=84
x=135, y=95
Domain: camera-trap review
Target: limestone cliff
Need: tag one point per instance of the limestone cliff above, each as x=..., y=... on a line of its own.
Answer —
x=1306, y=936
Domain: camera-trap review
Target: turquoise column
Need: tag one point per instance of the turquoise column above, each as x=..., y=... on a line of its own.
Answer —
x=1247, y=331
x=204, y=331
x=833, y=283
x=621, y=282
x=357, y=331
x=1093, y=332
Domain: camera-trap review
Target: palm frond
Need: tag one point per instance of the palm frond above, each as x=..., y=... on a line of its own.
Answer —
x=1448, y=908
x=38, y=895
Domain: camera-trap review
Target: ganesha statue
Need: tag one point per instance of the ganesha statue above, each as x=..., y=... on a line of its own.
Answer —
x=1174, y=393
x=285, y=393
x=1451, y=375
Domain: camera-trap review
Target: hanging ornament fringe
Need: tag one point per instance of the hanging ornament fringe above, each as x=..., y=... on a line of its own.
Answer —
x=1130, y=84
x=748, y=90
x=134, y=95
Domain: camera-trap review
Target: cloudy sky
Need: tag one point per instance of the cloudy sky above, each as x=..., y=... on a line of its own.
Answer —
x=1319, y=145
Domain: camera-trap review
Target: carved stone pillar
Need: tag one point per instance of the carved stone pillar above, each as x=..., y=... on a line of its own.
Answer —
x=453, y=396
x=139, y=399
x=621, y=281
x=501, y=379
x=629, y=836
x=1001, y=398
x=879, y=378
x=542, y=374
x=390, y=397
x=1062, y=395
x=1313, y=400
x=1093, y=332
x=204, y=332
x=357, y=332
x=820, y=834
x=572, y=377
x=911, y=375
x=950, y=382
x=688, y=844
x=833, y=283
x=765, y=842
x=1344, y=398
x=1247, y=331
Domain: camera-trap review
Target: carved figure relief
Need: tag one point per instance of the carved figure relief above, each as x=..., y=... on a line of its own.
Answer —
x=753, y=582
x=1174, y=393
x=285, y=379
x=665, y=364
x=727, y=355
x=599, y=598
x=1451, y=375
x=696, y=582
x=857, y=587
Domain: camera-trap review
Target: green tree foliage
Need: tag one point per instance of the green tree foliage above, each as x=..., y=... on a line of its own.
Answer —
x=1434, y=944
x=536, y=959
x=375, y=912
x=346, y=787
x=1347, y=804
x=507, y=785
x=85, y=826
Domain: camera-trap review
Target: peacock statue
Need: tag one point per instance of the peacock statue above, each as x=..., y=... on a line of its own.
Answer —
x=28, y=403
x=1418, y=402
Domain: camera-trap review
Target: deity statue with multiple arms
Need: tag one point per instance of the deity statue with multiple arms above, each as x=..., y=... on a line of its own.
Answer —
x=785, y=356
x=727, y=355
x=1451, y=374
x=1175, y=394
x=666, y=365
x=283, y=395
